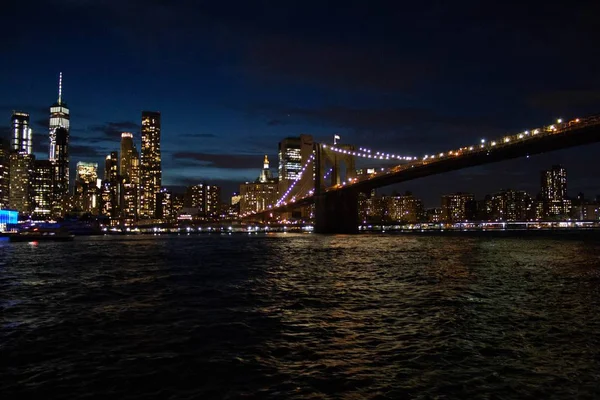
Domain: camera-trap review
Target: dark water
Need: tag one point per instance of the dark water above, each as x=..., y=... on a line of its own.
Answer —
x=300, y=317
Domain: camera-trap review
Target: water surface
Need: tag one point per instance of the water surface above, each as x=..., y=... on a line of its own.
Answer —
x=300, y=317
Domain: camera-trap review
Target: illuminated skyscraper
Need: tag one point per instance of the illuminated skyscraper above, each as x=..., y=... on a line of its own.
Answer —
x=61, y=171
x=257, y=196
x=111, y=167
x=294, y=153
x=86, y=187
x=20, y=192
x=42, y=184
x=150, y=165
x=59, y=118
x=130, y=179
x=127, y=149
x=554, y=192
x=21, y=133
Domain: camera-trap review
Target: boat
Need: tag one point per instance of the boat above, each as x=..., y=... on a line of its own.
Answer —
x=40, y=234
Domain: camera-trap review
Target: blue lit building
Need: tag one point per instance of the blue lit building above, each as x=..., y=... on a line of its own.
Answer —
x=7, y=217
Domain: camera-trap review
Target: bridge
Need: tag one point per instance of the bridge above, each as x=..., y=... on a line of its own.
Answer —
x=336, y=197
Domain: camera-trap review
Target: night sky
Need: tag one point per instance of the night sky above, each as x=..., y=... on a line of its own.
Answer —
x=231, y=79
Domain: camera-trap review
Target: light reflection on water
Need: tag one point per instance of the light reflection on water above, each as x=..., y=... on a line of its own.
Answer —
x=300, y=316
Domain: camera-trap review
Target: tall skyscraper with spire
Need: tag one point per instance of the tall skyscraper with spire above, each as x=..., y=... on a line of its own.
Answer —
x=59, y=118
x=150, y=165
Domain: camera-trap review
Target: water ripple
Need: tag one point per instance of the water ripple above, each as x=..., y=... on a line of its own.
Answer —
x=300, y=317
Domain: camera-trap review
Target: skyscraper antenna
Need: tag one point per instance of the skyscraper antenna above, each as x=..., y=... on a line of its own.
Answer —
x=60, y=88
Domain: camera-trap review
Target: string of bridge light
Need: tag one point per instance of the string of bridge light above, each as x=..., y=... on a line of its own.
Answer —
x=367, y=153
x=327, y=173
x=288, y=191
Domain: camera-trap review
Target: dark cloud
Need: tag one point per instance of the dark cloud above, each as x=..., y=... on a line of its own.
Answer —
x=41, y=123
x=226, y=161
x=113, y=130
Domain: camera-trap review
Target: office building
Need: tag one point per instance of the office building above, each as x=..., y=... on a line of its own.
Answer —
x=42, y=185
x=165, y=203
x=130, y=180
x=20, y=183
x=86, y=187
x=294, y=153
x=59, y=118
x=554, y=192
x=259, y=195
x=21, y=133
x=61, y=172
x=458, y=207
x=150, y=164
x=111, y=167
x=4, y=174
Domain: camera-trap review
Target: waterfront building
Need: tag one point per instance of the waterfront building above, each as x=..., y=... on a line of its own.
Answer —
x=4, y=174
x=42, y=186
x=257, y=196
x=510, y=205
x=150, y=164
x=202, y=201
x=59, y=118
x=458, y=207
x=21, y=133
x=434, y=215
x=554, y=192
x=405, y=209
x=20, y=183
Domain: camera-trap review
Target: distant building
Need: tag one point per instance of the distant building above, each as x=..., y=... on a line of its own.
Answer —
x=510, y=205
x=150, y=165
x=4, y=175
x=21, y=133
x=111, y=167
x=294, y=153
x=20, y=187
x=86, y=190
x=257, y=196
x=59, y=118
x=166, y=204
x=130, y=181
x=202, y=201
x=434, y=215
x=60, y=196
x=554, y=192
x=42, y=186
x=406, y=209
x=235, y=198
x=458, y=207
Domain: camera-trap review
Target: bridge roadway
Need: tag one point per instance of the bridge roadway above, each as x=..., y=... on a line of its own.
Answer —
x=337, y=206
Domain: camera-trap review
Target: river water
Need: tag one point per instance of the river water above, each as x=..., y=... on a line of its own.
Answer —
x=300, y=317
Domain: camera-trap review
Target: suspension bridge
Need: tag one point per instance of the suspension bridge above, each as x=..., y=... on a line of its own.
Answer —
x=332, y=185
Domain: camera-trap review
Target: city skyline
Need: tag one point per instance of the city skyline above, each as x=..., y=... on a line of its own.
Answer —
x=224, y=104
